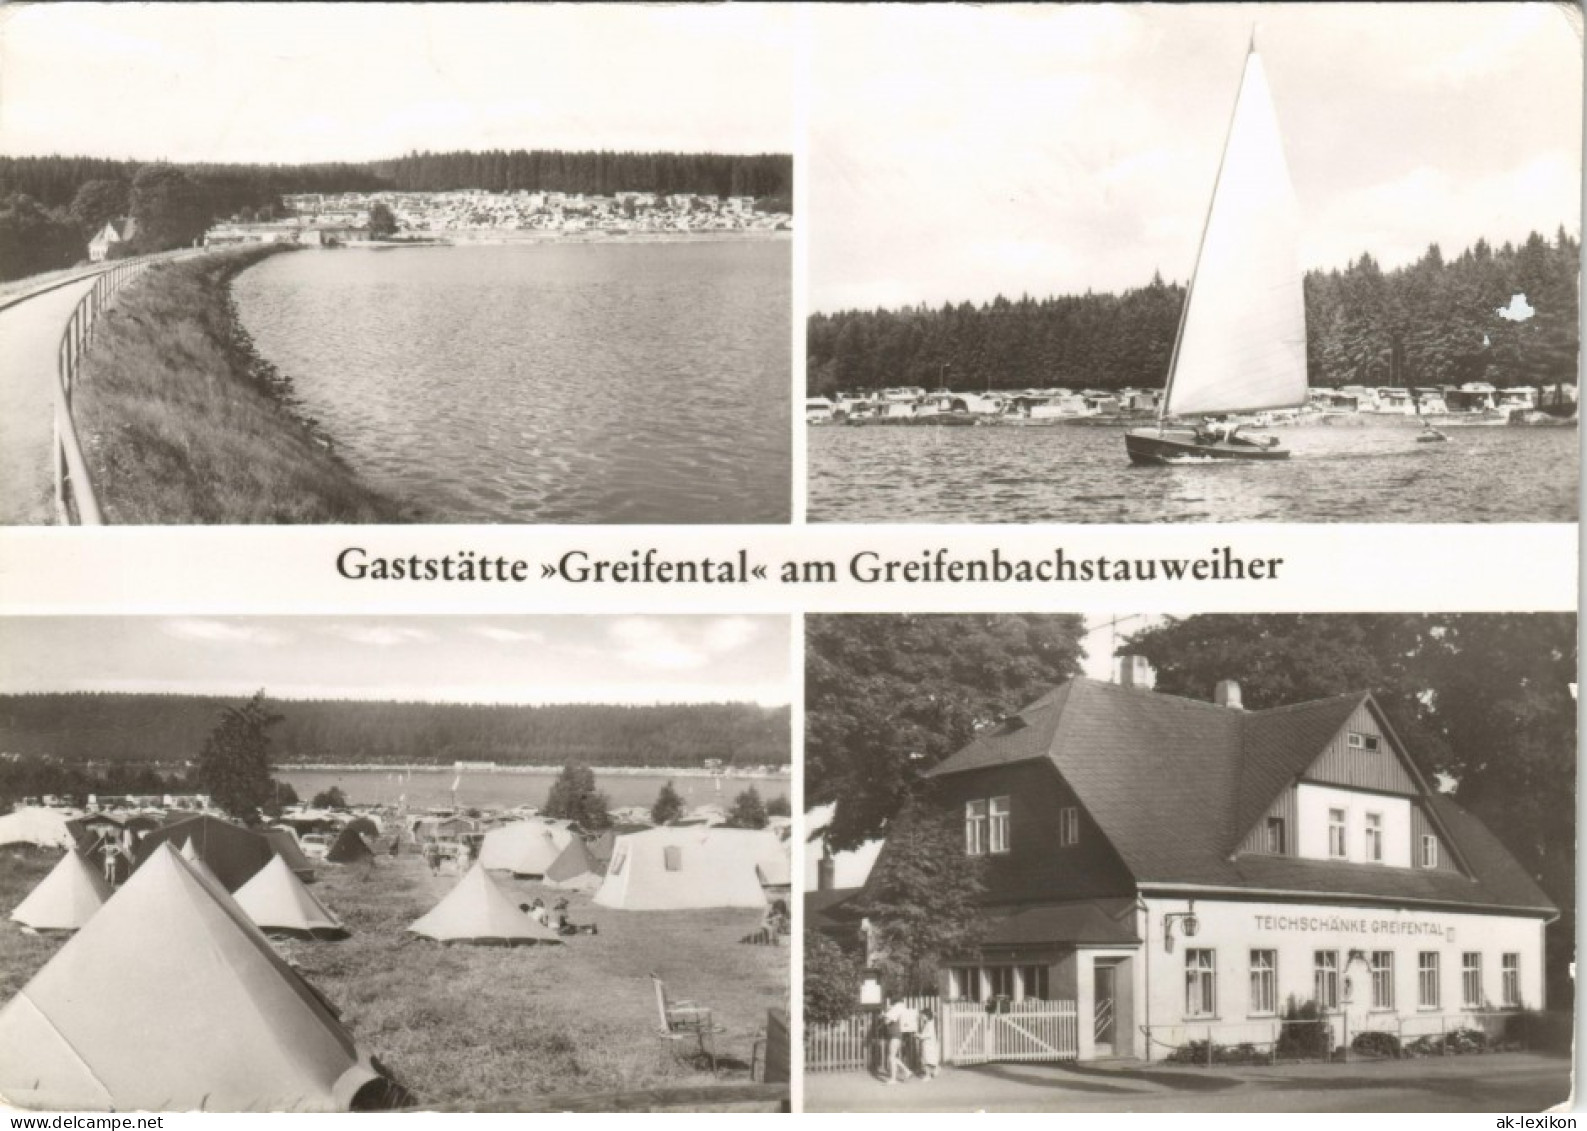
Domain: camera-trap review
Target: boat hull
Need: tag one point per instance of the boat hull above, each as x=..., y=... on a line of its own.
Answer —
x=1148, y=446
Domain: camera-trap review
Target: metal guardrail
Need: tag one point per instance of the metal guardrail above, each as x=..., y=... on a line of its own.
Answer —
x=74, y=490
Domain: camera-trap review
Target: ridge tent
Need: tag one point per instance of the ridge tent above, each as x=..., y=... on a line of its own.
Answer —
x=222, y=1023
x=277, y=902
x=46, y=828
x=286, y=847
x=574, y=868
x=65, y=898
x=477, y=911
x=349, y=848
x=525, y=848
x=234, y=854
x=601, y=848
x=688, y=866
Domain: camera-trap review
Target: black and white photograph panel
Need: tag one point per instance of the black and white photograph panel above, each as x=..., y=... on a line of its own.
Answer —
x=1194, y=263
x=1212, y=863
x=324, y=263
x=434, y=863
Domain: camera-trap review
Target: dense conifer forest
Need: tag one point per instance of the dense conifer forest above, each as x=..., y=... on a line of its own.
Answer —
x=51, y=206
x=1435, y=322
x=169, y=730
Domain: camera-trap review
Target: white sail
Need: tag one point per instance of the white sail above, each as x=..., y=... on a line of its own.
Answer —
x=1242, y=341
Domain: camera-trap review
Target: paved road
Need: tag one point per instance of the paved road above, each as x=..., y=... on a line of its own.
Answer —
x=30, y=332
x=1499, y=1082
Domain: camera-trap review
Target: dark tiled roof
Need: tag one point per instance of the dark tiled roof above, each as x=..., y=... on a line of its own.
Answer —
x=1175, y=783
x=1102, y=922
x=825, y=910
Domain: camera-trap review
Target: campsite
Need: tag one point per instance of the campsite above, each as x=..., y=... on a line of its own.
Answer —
x=466, y=1027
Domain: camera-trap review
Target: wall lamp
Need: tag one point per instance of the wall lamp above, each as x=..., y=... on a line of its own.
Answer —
x=1188, y=925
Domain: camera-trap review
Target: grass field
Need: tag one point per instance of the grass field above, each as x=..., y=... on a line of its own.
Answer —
x=182, y=423
x=492, y=1028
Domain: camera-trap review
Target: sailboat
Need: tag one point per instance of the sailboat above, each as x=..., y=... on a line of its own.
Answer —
x=1241, y=345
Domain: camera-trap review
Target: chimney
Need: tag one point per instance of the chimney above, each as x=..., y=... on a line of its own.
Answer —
x=1227, y=694
x=825, y=870
x=1134, y=671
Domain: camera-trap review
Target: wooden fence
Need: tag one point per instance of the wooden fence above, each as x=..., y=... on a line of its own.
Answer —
x=967, y=1033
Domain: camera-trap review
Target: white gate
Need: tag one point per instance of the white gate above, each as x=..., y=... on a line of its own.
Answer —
x=1019, y=1030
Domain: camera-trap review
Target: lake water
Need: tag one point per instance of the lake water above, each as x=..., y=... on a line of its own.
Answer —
x=1370, y=473
x=480, y=788
x=544, y=382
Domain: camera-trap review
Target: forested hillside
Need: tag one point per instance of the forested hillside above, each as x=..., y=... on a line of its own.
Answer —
x=1438, y=319
x=170, y=730
x=51, y=206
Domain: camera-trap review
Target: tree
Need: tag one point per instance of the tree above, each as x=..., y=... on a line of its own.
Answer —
x=281, y=795
x=234, y=765
x=748, y=811
x=923, y=898
x=35, y=239
x=574, y=797
x=832, y=979
x=332, y=798
x=668, y=807
x=779, y=807
x=888, y=697
x=97, y=203
x=382, y=222
x=170, y=207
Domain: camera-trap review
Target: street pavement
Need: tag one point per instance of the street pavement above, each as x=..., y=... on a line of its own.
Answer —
x=1494, y=1082
x=30, y=333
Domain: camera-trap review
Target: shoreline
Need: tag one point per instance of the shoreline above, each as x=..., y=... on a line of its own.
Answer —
x=762, y=773
x=486, y=237
x=186, y=423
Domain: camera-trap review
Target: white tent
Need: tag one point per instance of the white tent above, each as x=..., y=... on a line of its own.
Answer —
x=277, y=901
x=478, y=911
x=170, y=1000
x=680, y=867
x=525, y=848
x=43, y=827
x=65, y=899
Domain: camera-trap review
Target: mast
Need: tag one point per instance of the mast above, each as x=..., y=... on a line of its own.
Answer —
x=1201, y=244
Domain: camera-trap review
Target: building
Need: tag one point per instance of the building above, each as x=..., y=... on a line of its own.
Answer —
x=1185, y=871
x=113, y=233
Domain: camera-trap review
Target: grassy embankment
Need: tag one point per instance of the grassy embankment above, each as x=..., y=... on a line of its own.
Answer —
x=182, y=422
x=491, y=1028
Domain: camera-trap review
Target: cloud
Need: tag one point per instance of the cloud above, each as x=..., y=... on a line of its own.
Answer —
x=730, y=634
x=224, y=632
x=508, y=635
x=653, y=644
x=380, y=636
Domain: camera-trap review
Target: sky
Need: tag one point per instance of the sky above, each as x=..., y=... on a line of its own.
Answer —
x=569, y=659
x=340, y=82
x=958, y=152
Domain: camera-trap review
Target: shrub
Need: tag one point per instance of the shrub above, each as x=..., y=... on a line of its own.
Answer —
x=1305, y=1034
x=1385, y=1045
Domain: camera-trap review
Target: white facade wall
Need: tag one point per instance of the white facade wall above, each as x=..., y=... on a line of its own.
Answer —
x=1231, y=930
x=1312, y=803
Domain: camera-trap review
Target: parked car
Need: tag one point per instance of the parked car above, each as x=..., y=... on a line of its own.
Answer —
x=315, y=845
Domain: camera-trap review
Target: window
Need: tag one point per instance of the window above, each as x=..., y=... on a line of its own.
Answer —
x=1068, y=827
x=999, y=824
x=1336, y=834
x=1471, y=979
x=1429, y=850
x=1264, y=981
x=672, y=858
x=1201, y=984
x=1382, y=965
x=1427, y=979
x=1375, y=837
x=964, y=983
x=1034, y=981
x=1359, y=741
x=1325, y=979
x=975, y=828
x=1275, y=836
x=1000, y=980
x=1510, y=981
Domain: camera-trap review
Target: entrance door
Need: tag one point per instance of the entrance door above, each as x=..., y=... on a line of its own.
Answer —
x=1104, y=1020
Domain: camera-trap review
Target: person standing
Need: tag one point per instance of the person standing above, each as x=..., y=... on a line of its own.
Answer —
x=895, y=1062
x=909, y=1037
x=930, y=1048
